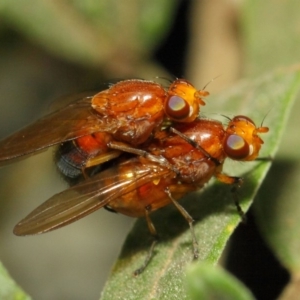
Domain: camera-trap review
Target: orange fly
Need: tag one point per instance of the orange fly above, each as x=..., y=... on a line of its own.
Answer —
x=180, y=160
x=129, y=112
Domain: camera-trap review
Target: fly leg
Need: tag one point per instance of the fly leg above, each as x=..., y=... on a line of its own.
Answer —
x=236, y=183
x=190, y=221
x=154, y=158
x=195, y=145
x=98, y=160
x=266, y=158
x=154, y=242
x=101, y=158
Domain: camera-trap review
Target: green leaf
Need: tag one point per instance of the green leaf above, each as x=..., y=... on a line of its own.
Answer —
x=206, y=282
x=269, y=96
x=278, y=211
x=277, y=42
x=277, y=208
x=9, y=290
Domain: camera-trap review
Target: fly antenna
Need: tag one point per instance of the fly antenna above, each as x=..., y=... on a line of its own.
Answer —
x=210, y=82
x=226, y=117
x=262, y=122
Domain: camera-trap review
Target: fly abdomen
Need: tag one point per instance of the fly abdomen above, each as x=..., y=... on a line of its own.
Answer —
x=70, y=160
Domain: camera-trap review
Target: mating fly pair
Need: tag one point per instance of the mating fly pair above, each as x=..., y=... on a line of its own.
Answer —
x=175, y=152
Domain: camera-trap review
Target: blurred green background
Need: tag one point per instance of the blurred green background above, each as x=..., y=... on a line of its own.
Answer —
x=53, y=48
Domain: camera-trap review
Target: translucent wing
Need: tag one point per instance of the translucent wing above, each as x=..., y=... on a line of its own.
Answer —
x=130, y=110
x=75, y=120
x=88, y=196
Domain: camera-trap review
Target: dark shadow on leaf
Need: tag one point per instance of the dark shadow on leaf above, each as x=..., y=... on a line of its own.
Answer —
x=273, y=188
x=250, y=258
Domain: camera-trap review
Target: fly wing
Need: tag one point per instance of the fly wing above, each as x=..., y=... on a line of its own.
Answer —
x=88, y=196
x=75, y=120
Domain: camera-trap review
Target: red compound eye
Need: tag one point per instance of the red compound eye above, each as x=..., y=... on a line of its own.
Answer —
x=177, y=108
x=236, y=147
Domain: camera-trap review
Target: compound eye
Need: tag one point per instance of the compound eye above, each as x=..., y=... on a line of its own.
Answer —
x=242, y=118
x=236, y=147
x=177, y=108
